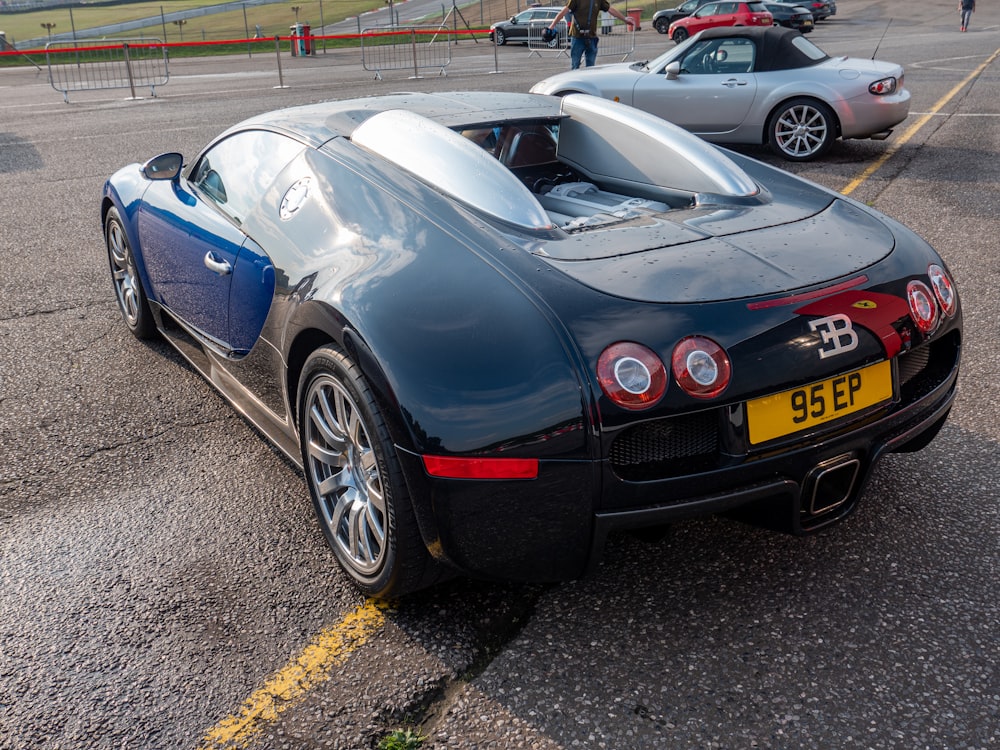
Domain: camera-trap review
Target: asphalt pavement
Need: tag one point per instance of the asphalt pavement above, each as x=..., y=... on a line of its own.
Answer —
x=162, y=576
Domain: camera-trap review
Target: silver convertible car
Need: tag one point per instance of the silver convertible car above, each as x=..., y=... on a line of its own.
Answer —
x=754, y=85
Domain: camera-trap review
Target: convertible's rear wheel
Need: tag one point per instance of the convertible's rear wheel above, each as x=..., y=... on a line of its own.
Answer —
x=802, y=129
x=355, y=479
x=131, y=296
x=679, y=35
x=500, y=37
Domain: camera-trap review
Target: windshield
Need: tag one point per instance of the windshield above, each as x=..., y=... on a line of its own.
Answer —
x=658, y=64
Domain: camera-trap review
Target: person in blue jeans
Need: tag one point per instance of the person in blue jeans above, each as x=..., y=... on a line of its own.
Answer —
x=583, y=33
x=966, y=7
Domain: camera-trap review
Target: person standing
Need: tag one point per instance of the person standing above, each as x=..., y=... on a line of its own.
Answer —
x=583, y=32
x=966, y=7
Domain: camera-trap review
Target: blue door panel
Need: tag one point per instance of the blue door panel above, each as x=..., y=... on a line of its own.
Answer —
x=250, y=296
x=181, y=237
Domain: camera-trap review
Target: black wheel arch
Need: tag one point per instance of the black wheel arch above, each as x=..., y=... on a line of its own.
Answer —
x=322, y=326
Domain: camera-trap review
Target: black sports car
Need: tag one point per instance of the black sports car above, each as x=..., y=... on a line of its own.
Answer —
x=532, y=321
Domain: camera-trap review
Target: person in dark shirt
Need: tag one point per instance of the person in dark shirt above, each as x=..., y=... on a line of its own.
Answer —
x=583, y=32
x=966, y=7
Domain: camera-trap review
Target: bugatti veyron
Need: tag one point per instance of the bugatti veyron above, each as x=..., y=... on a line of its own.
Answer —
x=492, y=329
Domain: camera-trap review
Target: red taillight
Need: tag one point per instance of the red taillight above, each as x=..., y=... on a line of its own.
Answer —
x=701, y=367
x=455, y=467
x=923, y=309
x=943, y=288
x=883, y=87
x=631, y=375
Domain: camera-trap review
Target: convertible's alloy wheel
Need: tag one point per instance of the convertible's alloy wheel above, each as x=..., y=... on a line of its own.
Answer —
x=344, y=470
x=802, y=130
x=128, y=287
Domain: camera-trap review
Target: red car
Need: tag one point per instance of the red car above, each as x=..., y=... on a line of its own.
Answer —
x=714, y=14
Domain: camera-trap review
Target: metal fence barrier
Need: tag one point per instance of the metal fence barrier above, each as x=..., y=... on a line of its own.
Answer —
x=413, y=48
x=538, y=46
x=126, y=64
x=617, y=39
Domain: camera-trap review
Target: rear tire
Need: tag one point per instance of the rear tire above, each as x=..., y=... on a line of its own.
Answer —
x=801, y=129
x=355, y=480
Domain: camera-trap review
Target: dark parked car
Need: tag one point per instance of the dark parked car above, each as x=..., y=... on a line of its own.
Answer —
x=663, y=18
x=533, y=321
x=518, y=27
x=791, y=16
x=821, y=9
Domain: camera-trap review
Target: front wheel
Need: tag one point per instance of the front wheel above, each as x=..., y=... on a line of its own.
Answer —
x=679, y=35
x=132, y=301
x=355, y=479
x=801, y=129
x=501, y=38
x=661, y=25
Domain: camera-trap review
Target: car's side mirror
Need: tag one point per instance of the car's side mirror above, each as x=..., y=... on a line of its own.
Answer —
x=513, y=19
x=163, y=167
x=673, y=70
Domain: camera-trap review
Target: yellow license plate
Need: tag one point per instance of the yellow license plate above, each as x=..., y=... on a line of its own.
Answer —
x=797, y=409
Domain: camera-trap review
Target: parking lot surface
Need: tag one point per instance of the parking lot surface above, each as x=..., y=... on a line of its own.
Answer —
x=163, y=581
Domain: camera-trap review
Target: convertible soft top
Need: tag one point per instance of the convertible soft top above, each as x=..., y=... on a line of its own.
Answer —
x=776, y=48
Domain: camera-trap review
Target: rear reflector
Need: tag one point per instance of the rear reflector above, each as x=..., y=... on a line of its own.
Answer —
x=452, y=467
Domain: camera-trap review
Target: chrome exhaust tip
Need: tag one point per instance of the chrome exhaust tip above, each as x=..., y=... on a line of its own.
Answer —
x=831, y=484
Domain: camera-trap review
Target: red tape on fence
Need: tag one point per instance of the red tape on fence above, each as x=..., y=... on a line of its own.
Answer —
x=220, y=42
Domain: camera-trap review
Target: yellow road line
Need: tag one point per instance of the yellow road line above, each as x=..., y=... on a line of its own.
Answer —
x=912, y=130
x=289, y=686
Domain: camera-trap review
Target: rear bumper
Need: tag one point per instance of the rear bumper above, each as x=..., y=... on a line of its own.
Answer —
x=554, y=527
x=809, y=489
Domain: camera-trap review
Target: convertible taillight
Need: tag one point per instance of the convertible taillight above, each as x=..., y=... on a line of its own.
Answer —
x=631, y=375
x=944, y=289
x=701, y=367
x=883, y=87
x=923, y=309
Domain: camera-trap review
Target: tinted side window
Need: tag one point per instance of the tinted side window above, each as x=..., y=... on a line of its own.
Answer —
x=707, y=10
x=235, y=172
